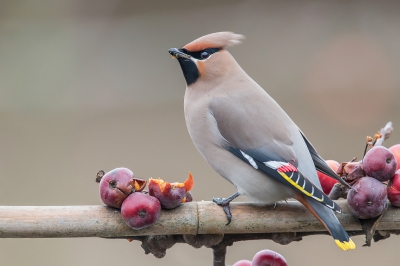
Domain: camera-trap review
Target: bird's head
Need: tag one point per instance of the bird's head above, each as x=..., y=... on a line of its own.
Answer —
x=205, y=56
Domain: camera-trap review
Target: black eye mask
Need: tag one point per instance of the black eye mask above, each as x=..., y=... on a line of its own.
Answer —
x=203, y=54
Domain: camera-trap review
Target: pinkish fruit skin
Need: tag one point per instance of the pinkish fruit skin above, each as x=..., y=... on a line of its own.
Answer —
x=327, y=182
x=370, y=199
x=395, y=149
x=379, y=162
x=393, y=189
x=115, y=186
x=242, y=263
x=140, y=210
x=189, y=197
x=169, y=198
x=268, y=257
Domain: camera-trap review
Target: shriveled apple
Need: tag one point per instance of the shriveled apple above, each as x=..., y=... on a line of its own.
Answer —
x=170, y=195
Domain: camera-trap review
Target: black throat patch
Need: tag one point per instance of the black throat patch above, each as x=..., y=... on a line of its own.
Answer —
x=189, y=69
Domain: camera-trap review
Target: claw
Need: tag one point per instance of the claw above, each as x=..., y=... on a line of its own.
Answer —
x=224, y=202
x=227, y=210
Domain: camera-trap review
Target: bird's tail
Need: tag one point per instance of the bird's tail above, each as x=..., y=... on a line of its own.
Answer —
x=330, y=221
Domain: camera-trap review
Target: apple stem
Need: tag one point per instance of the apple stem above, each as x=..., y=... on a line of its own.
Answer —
x=365, y=150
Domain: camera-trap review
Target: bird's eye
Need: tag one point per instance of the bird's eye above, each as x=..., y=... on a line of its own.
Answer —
x=204, y=55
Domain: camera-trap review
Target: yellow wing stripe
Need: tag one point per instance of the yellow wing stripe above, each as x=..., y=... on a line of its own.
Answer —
x=346, y=245
x=287, y=178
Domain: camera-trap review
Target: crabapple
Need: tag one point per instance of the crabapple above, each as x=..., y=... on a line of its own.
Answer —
x=393, y=189
x=379, y=162
x=395, y=149
x=140, y=210
x=328, y=182
x=115, y=186
x=268, y=257
x=170, y=195
x=367, y=198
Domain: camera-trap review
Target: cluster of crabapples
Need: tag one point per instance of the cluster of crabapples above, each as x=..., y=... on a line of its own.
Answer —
x=374, y=180
x=120, y=189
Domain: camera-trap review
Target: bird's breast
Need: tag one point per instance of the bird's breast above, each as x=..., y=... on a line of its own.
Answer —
x=201, y=125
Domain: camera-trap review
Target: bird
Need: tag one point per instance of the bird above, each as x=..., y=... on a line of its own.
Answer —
x=247, y=138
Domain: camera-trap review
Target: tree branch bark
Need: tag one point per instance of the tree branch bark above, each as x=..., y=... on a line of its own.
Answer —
x=189, y=219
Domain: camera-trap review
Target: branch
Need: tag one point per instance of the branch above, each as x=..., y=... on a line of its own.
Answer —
x=188, y=219
x=196, y=223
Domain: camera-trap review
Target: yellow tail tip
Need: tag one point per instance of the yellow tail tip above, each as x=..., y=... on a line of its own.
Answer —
x=346, y=245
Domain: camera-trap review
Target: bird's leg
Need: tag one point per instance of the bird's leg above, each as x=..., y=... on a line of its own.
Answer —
x=224, y=202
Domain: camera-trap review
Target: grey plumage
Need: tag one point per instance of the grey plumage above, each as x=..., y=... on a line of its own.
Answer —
x=246, y=136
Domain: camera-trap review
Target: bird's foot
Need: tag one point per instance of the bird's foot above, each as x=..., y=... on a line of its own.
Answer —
x=224, y=203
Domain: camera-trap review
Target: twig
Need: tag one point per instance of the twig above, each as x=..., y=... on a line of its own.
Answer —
x=386, y=131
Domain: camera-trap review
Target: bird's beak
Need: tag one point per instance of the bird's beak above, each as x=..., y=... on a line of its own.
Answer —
x=176, y=53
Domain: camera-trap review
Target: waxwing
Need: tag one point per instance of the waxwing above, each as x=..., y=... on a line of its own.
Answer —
x=247, y=137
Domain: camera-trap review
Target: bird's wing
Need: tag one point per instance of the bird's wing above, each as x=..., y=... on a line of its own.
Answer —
x=247, y=134
x=285, y=173
x=320, y=163
x=241, y=123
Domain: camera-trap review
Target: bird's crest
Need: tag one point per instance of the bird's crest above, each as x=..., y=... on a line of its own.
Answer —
x=214, y=40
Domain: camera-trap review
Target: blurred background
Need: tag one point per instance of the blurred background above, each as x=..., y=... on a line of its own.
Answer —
x=89, y=85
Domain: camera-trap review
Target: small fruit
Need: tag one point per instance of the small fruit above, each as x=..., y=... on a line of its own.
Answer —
x=242, y=263
x=367, y=199
x=268, y=257
x=170, y=195
x=115, y=186
x=395, y=149
x=328, y=182
x=393, y=189
x=140, y=210
x=379, y=162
